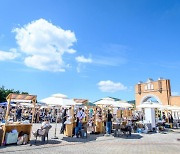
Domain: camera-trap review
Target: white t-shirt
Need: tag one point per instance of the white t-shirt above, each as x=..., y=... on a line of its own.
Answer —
x=80, y=114
x=45, y=124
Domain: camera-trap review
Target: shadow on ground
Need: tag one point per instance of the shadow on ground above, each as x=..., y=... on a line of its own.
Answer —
x=133, y=136
x=28, y=147
x=39, y=142
x=89, y=138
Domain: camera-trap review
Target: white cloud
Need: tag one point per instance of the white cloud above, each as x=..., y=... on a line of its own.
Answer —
x=175, y=93
x=44, y=45
x=12, y=54
x=110, y=86
x=82, y=59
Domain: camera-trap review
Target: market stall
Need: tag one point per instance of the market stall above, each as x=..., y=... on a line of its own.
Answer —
x=100, y=113
x=12, y=129
x=119, y=109
x=61, y=101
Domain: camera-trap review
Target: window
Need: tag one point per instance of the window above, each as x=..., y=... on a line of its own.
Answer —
x=149, y=86
x=139, y=89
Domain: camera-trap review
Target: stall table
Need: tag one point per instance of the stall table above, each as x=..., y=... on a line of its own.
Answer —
x=20, y=127
x=25, y=128
x=69, y=130
x=99, y=127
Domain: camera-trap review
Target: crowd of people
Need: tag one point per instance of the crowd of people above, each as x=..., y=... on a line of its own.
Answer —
x=89, y=118
x=21, y=113
x=63, y=115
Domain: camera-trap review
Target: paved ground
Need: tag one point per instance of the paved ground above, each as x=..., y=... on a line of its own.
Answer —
x=99, y=144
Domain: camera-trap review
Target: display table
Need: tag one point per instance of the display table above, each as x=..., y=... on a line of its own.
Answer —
x=99, y=127
x=69, y=130
x=116, y=126
x=25, y=128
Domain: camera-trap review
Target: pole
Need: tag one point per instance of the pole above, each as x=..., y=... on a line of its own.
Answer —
x=55, y=137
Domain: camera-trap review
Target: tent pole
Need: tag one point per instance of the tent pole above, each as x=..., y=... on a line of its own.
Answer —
x=55, y=137
x=33, y=113
x=8, y=107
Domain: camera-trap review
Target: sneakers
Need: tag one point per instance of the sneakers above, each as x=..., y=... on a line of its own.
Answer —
x=107, y=134
x=74, y=136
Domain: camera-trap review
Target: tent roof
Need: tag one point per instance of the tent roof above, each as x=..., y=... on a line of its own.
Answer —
x=80, y=101
x=21, y=97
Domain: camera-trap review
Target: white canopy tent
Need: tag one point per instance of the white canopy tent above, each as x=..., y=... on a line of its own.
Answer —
x=175, y=110
x=150, y=105
x=105, y=101
x=57, y=101
x=58, y=95
x=172, y=108
x=122, y=104
x=27, y=105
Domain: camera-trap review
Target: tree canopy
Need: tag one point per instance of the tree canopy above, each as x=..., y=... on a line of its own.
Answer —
x=5, y=92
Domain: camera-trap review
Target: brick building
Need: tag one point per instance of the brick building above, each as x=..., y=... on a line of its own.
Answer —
x=159, y=90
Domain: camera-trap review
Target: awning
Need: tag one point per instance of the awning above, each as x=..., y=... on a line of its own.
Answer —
x=23, y=98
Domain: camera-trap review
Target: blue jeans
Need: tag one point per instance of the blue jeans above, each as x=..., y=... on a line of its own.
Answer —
x=108, y=127
x=78, y=128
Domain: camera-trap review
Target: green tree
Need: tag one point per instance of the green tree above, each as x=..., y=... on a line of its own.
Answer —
x=5, y=92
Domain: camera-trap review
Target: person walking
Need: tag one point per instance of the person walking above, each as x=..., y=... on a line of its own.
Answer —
x=109, y=122
x=63, y=120
x=18, y=113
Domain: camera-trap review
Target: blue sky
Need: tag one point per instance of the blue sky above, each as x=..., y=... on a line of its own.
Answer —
x=88, y=48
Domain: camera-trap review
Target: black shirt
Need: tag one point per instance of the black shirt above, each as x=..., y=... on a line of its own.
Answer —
x=109, y=117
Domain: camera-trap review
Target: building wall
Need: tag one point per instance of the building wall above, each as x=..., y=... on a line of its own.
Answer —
x=175, y=100
x=160, y=90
